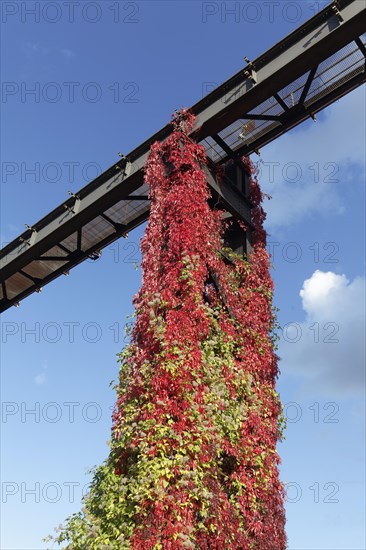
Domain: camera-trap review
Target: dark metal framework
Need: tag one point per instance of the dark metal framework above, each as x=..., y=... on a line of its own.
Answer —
x=318, y=63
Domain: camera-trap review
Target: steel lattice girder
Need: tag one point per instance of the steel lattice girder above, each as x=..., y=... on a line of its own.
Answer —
x=316, y=64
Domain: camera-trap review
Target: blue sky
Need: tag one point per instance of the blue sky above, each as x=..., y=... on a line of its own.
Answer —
x=106, y=77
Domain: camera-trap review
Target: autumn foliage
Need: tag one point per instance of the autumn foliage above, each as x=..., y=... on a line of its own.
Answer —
x=193, y=460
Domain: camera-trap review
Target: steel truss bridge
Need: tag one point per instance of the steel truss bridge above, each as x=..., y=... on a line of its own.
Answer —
x=312, y=67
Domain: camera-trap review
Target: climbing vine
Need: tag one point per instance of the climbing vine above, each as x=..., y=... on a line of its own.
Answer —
x=193, y=460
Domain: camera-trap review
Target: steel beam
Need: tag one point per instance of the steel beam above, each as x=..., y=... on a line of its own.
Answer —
x=299, y=115
x=302, y=50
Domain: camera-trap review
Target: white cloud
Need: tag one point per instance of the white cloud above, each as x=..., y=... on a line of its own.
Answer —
x=40, y=378
x=33, y=48
x=322, y=291
x=328, y=349
x=312, y=162
x=67, y=53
